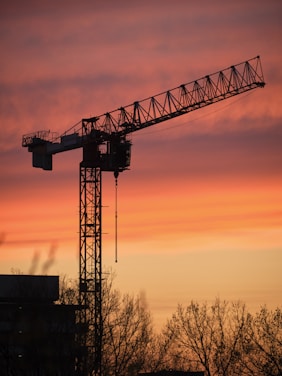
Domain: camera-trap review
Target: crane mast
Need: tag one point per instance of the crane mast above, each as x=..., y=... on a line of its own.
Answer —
x=106, y=148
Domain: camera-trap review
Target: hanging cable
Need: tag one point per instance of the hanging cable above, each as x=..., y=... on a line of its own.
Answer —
x=116, y=217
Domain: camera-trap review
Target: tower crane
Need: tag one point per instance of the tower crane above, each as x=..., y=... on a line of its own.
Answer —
x=106, y=147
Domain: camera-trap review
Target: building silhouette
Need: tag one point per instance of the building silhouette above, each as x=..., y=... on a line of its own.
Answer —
x=37, y=336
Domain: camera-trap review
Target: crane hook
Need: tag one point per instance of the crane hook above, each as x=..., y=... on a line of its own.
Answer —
x=116, y=174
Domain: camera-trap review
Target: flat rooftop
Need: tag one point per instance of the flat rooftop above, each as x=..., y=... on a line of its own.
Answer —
x=21, y=287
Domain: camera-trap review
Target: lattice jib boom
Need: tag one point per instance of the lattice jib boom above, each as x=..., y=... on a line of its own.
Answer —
x=180, y=100
x=183, y=99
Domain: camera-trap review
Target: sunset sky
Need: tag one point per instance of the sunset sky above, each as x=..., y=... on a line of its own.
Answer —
x=200, y=211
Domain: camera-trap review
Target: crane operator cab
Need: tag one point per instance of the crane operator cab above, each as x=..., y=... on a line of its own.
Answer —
x=111, y=155
x=118, y=155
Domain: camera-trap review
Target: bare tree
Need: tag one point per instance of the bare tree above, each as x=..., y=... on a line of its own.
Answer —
x=194, y=332
x=211, y=337
x=263, y=346
x=127, y=336
x=231, y=319
x=68, y=291
x=163, y=351
x=127, y=328
x=169, y=354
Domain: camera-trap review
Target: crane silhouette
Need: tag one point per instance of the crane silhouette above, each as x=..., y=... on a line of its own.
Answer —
x=106, y=147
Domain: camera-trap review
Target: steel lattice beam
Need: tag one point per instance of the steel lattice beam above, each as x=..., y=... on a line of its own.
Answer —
x=169, y=104
x=90, y=265
x=185, y=98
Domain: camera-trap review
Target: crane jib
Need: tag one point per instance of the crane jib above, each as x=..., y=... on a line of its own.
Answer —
x=183, y=99
x=178, y=101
